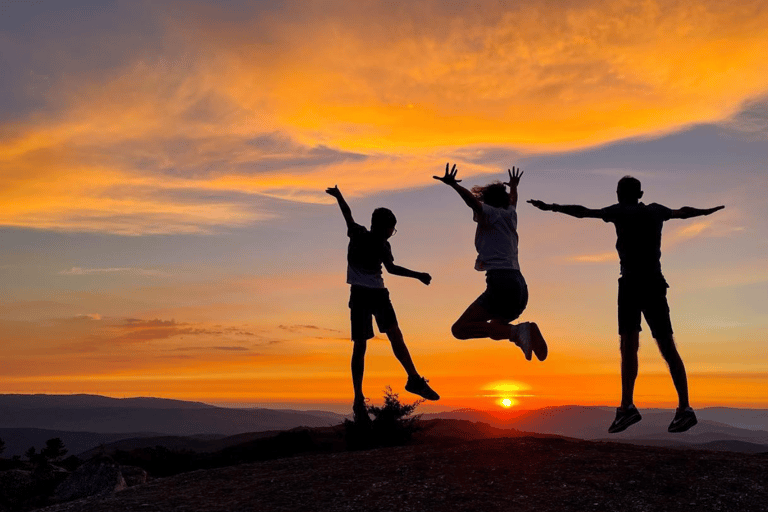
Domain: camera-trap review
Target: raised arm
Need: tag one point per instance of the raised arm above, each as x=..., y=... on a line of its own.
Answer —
x=514, y=180
x=686, y=212
x=345, y=210
x=574, y=210
x=468, y=197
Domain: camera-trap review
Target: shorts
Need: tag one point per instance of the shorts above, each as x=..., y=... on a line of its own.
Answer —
x=646, y=295
x=365, y=303
x=506, y=294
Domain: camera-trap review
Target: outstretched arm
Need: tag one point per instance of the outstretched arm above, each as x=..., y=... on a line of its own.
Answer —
x=397, y=270
x=450, y=180
x=686, y=212
x=514, y=180
x=345, y=210
x=574, y=210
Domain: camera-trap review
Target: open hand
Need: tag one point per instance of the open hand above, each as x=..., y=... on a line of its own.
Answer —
x=334, y=191
x=514, y=177
x=541, y=205
x=450, y=176
x=715, y=209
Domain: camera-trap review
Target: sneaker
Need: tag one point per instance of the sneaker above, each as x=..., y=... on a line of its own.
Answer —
x=684, y=419
x=419, y=386
x=524, y=339
x=532, y=340
x=624, y=418
x=360, y=411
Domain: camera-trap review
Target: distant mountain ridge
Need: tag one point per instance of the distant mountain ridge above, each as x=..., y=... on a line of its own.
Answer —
x=93, y=413
x=83, y=401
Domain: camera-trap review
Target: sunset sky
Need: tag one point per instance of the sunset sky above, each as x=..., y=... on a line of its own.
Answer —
x=164, y=229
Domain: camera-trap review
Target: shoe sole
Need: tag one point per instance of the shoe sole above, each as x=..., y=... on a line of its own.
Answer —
x=624, y=426
x=537, y=343
x=426, y=395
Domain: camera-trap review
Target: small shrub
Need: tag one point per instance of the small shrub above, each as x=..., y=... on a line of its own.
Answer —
x=393, y=424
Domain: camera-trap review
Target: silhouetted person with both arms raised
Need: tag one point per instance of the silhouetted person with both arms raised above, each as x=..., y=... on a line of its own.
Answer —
x=369, y=298
x=642, y=289
x=496, y=240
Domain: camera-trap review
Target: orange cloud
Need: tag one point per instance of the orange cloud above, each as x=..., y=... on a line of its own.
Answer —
x=603, y=257
x=281, y=104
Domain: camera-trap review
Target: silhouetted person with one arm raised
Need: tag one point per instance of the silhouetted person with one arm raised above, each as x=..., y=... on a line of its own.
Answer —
x=369, y=298
x=642, y=290
x=496, y=240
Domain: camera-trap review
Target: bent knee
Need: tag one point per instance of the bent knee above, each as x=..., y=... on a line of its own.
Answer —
x=459, y=331
x=667, y=346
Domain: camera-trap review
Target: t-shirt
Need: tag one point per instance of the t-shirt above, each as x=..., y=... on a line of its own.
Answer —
x=638, y=236
x=496, y=238
x=365, y=255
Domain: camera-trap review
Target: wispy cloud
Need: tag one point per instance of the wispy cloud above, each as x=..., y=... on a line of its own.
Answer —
x=300, y=328
x=705, y=228
x=694, y=229
x=752, y=119
x=602, y=257
x=89, y=316
x=79, y=271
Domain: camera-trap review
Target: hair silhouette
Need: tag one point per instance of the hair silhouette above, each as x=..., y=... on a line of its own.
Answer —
x=494, y=194
x=629, y=190
x=383, y=218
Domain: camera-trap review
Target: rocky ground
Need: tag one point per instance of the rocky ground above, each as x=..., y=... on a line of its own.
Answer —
x=520, y=474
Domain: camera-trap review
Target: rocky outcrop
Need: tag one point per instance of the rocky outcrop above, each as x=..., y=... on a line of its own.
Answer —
x=97, y=477
x=133, y=475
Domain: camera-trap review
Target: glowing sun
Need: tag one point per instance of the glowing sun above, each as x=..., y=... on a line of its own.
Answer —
x=506, y=402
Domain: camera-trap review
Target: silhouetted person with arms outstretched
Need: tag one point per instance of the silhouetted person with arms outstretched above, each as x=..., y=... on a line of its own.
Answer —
x=642, y=290
x=496, y=240
x=367, y=252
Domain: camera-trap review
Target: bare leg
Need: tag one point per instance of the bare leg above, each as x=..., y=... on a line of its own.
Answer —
x=358, y=367
x=630, y=343
x=676, y=368
x=401, y=351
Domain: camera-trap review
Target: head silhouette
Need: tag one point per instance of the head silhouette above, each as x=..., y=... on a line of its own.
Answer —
x=383, y=222
x=629, y=190
x=494, y=194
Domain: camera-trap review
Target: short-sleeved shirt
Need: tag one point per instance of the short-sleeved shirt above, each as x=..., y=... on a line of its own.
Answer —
x=365, y=255
x=638, y=236
x=496, y=238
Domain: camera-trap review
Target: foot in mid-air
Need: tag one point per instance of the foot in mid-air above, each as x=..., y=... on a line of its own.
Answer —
x=625, y=417
x=530, y=340
x=684, y=419
x=418, y=386
x=360, y=411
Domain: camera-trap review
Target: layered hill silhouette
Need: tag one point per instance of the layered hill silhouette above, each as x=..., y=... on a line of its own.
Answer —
x=85, y=422
x=135, y=417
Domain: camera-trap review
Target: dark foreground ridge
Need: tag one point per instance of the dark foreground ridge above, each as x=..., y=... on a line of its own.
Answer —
x=519, y=473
